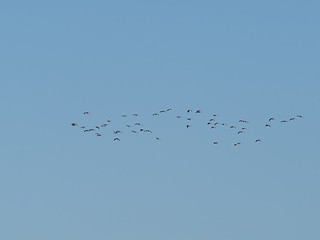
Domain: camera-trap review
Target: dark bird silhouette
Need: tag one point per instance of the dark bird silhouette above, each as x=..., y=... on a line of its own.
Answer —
x=198, y=111
x=188, y=111
x=236, y=144
x=135, y=114
x=157, y=138
x=86, y=113
x=188, y=126
x=98, y=134
x=232, y=127
x=283, y=121
x=155, y=114
x=116, y=139
x=168, y=110
x=291, y=119
x=178, y=116
x=258, y=140
x=215, y=142
x=299, y=116
x=74, y=124
x=271, y=119
x=268, y=125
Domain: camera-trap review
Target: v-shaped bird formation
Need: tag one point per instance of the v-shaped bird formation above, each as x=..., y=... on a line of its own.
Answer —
x=212, y=122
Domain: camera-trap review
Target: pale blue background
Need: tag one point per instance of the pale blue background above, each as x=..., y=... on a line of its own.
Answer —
x=240, y=59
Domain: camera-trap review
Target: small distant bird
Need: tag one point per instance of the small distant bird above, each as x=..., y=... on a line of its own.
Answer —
x=98, y=134
x=124, y=115
x=157, y=138
x=223, y=124
x=215, y=115
x=86, y=130
x=141, y=130
x=149, y=131
x=236, y=144
x=211, y=120
x=97, y=127
x=189, y=111
x=155, y=114
x=299, y=116
x=216, y=123
x=243, y=128
x=168, y=110
x=178, y=116
x=83, y=127
x=74, y=124
x=198, y=111
x=215, y=142
x=213, y=127
x=104, y=125
x=240, y=132
x=268, y=125
x=209, y=123
x=137, y=124
x=162, y=111
x=128, y=125
x=291, y=119
x=86, y=113
x=134, y=131
x=258, y=140
x=91, y=129
x=135, y=114
x=189, y=119
x=283, y=121
x=232, y=127
x=188, y=126
x=271, y=119
x=116, y=132
x=116, y=139
x=108, y=120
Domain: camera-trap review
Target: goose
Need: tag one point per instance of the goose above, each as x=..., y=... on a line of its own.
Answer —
x=178, y=116
x=156, y=114
x=168, y=110
x=162, y=111
x=211, y=120
x=83, y=127
x=134, y=131
x=271, y=119
x=91, y=129
x=189, y=119
x=108, y=120
x=240, y=132
x=189, y=110
x=213, y=127
x=137, y=124
x=135, y=114
x=291, y=119
x=86, y=130
x=215, y=115
x=128, y=125
x=74, y=124
x=149, y=131
x=232, y=127
x=236, y=144
x=86, y=113
x=157, y=138
x=104, y=125
x=268, y=125
x=198, y=111
x=209, y=123
x=243, y=128
x=224, y=124
x=215, y=142
x=141, y=130
x=283, y=121
x=97, y=127
x=216, y=123
x=258, y=140
x=188, y=126
x=116, y=139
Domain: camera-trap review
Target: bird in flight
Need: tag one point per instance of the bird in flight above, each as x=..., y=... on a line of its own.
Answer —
x=189, y=110
x=98, y=134
x=258, y=140
x=271, y=119
x=198, y=111
x=86, y=113
x=236, y=144
x=188, y=126
x=283, y=121
x=116, y=139
x=268, y=125
x=74, y=124
x=215, y=142
x=135, y=114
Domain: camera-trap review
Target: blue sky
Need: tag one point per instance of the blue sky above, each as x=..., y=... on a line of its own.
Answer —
x=247, y=60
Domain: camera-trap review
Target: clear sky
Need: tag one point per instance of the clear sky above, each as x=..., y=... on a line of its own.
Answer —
x=248, y=60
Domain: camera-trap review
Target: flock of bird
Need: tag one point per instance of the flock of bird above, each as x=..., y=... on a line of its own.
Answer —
x=211, y=122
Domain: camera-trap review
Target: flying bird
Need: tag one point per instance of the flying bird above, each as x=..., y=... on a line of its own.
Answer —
x=157, y=138
x=271, y=119
x=135, y=114
x=116, y=139
x=299, y=116
x=291, y=119
x=86, y=113
x=198, y=111
x=188, y=126
x=283, y=121
x=215, y=142
x=236, y=144
x=232, y=127
x=74, y=124
x=155, y=114
x=168, y=110
x=189, y=110
x=258, y=140
x=98, y=134
x=268, y=125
